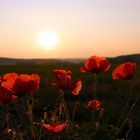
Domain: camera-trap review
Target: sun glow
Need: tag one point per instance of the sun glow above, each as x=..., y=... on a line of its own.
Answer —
x=48, y=39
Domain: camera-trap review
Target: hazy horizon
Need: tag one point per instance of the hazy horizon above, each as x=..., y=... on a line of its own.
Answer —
x=107, y=28
x=67, y=57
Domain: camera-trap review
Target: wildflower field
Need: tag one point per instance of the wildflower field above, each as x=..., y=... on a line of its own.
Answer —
x=94, y=100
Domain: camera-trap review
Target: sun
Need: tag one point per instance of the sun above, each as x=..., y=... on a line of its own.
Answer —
x=47, y=39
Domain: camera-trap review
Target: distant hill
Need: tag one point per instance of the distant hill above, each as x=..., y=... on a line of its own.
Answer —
x=13, y=61
x=123, y=58
x=118, y=59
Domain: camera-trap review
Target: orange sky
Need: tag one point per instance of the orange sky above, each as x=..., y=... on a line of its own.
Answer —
x=84, y=27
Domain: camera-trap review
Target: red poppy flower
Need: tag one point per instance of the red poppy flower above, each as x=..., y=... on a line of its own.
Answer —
x=65, y=82
x=95, y=64
x=124, y=71
x=94, y=105
x=9, y=75
x=22, y=83
x=6, y=96
x=55, y=128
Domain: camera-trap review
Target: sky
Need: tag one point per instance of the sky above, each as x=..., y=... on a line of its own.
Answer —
x=84, y=28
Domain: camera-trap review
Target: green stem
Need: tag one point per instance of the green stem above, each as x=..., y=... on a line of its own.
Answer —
x=94, y=86
x=130, y=110
x=101, y=115
x=75, y=109
x=93, y=113
x=30, y=113
x=128, y=100
x=64, y=105
x=41, y=129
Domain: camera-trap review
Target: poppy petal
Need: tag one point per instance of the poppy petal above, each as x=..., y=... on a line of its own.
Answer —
x=77, y=87
x=59, y=128
x=105, y=65
x=83, y=69
x=55, y=128
x=94, y=105
x=124, y=71
x=96, y=64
